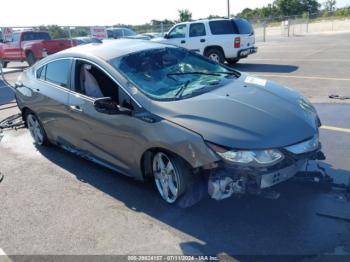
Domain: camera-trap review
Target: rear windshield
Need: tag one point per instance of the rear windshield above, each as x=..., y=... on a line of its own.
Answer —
x=30, y=36
x=229, y=27
x=223, y=27
x=244, y=27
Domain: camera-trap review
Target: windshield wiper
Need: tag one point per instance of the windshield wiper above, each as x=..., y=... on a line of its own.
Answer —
x=193, y=73
x=229, y=73
x=204, y=73
x=182, y=89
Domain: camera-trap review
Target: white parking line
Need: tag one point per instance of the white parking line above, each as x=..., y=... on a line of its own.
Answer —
x=306, y=77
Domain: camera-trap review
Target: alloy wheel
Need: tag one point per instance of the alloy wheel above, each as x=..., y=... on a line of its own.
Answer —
x=35, y=129
x=214, y=57
x=166, y=177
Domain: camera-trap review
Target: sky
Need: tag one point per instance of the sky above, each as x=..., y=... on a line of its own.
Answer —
x=110, y=12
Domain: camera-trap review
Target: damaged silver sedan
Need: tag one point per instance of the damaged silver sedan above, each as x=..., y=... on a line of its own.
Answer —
x=151, y=110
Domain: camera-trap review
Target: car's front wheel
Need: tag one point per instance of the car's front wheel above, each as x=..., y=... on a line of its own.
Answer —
x=36, y=130
x=172, y=176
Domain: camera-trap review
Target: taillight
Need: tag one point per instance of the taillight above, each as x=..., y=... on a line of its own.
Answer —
x=237, y=42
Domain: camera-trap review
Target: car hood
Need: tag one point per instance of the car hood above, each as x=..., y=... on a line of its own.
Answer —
x=247, y=113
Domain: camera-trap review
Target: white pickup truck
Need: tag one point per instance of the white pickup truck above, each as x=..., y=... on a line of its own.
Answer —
x=218, y=39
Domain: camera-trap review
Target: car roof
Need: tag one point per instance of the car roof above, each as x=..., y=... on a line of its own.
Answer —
x=205, y=20
x=117, y=28
x=112, y=48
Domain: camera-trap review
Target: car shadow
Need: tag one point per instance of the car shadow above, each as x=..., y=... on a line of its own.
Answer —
x=235, y=226
x=264, y=68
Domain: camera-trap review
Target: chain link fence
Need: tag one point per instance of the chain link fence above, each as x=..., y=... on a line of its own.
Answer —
x=288, y=26
x=265, y=29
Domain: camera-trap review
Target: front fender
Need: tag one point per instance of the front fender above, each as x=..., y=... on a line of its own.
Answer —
x=170, y=137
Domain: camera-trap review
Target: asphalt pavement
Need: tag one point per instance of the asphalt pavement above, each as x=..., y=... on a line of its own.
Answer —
x=53, y=202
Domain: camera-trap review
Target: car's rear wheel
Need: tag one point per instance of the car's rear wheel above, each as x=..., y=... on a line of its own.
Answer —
x=31, y=58
x=172, y=176
x=215, y=55
x=233, y=61
x=36, y=130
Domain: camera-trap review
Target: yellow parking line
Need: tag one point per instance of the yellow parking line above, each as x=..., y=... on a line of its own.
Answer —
x=306, y=77
x=334, y=128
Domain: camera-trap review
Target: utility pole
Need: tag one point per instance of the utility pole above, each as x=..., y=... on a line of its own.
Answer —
x=228, y=9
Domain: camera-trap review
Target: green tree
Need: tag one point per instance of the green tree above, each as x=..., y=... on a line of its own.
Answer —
x=296, y=7
x=185, y=15
x=330, y=5
x=55, y=31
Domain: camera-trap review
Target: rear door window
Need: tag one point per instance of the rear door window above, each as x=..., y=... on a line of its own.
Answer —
x=244, y=27
x=30, y=36
x=57, y=72
x=197, y=29
x=223, y=27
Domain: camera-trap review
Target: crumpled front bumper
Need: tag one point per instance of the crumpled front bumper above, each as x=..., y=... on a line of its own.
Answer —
x=230, y=179
x=276, y=177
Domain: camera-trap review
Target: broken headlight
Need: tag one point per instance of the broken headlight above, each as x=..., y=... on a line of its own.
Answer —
x=306, y=146
x=256, y=157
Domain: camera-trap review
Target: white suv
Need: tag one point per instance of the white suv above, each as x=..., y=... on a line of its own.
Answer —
x=218, y=39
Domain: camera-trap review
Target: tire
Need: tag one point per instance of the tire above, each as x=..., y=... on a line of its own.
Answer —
x=3, y=63
x=172, y=178
x=36, y=129
x=232, y=61
x=215, y=55
x=31, y=58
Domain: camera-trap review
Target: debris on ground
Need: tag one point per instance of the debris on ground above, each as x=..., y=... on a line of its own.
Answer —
x=339, y=97
x=1, y=177
x=14, y=122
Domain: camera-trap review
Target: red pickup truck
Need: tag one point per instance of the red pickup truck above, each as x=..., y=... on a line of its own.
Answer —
x=31, y=46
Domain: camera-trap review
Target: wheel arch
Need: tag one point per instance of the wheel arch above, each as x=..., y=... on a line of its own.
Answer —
x=146, y=160
x=210, y=47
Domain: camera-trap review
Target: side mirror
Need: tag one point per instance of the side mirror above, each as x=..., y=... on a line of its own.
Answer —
x=106, y=105
x=166, y=36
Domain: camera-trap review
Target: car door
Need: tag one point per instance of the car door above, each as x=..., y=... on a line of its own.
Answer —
x=197, y=39
x=177, y=35
x=12, y=49
x=51, y=91
x=104, y=138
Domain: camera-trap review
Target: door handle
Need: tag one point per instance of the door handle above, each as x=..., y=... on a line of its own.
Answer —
x=202, y=40
x=76, y=108
x=183, y=41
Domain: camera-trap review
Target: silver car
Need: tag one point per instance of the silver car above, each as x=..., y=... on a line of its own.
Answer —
x=150, y=110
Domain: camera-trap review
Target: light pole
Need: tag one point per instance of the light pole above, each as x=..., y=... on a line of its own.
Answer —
x=228, y=9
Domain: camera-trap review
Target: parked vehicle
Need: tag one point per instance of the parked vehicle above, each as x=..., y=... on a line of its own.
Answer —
x=31, y=46
x=218, y=39
x=120, y=32
x=152, y=35
x=149, y=110
x=83, y=40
